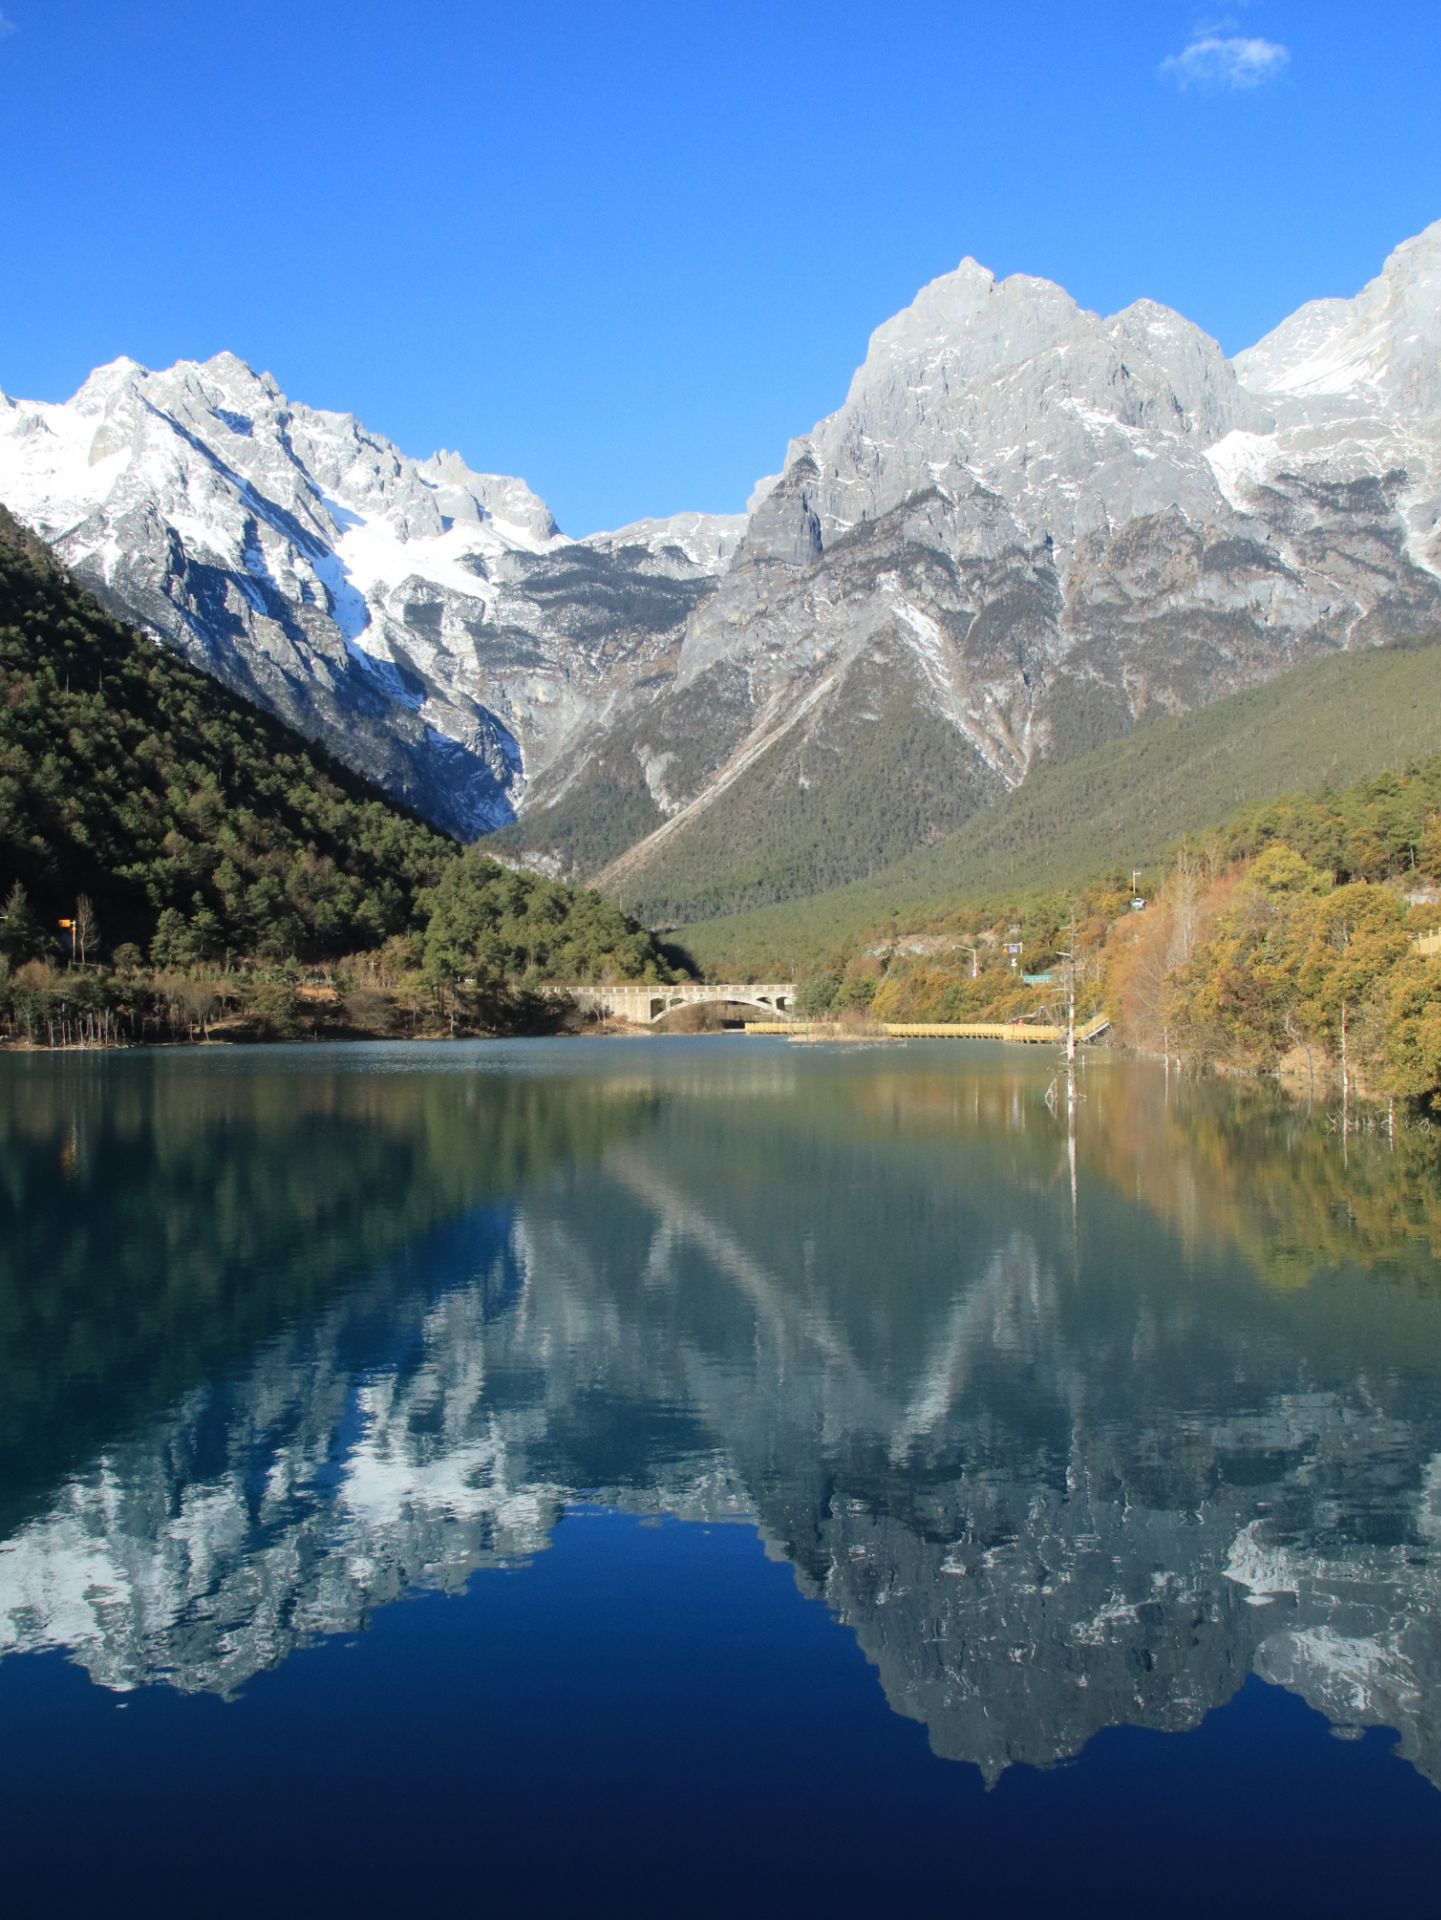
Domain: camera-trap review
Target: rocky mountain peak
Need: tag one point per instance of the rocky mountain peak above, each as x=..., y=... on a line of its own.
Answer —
x=967, y=324
x=1423, y=248
x=1025, y=527
x=95, y=393
x=405, y=612
x=704, y=541
x=1075, y=420
x=1378, y=351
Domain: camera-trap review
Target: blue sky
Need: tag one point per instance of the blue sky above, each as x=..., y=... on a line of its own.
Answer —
x=627, y=250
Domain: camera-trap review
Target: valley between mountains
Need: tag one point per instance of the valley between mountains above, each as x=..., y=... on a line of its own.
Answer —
x=1026, y=532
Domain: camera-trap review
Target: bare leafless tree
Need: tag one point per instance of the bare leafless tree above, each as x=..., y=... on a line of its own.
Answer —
x=87, y=928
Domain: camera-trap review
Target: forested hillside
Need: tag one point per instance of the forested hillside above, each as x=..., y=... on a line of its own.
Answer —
x=185, y=829
x=129, y=776
x=1286, y=936
x=1294, y=938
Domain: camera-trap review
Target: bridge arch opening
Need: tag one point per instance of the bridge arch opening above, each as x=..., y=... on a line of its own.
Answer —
x=724, y=1012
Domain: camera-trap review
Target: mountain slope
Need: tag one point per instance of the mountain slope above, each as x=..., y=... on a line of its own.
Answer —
x=128, y=775
x=1339, y=719
x=1027, y=529
x=427, y=624
x=1037, y=527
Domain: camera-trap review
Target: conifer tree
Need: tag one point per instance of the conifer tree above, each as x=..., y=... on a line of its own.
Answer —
x=20, y=935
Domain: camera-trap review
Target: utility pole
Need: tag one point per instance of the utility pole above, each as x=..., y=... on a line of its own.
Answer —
x=1071, y=1016
x=1073, y=1092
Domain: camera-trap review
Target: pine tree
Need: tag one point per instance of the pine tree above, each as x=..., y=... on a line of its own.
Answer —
x=20, y=935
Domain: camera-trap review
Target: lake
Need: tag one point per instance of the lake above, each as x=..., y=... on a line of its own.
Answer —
x=709, y=1476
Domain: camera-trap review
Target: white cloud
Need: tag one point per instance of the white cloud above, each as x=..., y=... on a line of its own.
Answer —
x=1226, y=62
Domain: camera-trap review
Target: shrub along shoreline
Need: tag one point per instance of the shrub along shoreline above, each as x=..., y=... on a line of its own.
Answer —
x=45, y=1008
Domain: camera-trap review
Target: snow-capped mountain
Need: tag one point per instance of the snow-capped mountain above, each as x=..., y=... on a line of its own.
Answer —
x=427, y=623
x=1026, y=528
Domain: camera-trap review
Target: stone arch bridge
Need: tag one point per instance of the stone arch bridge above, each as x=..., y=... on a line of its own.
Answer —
x=643, y=1006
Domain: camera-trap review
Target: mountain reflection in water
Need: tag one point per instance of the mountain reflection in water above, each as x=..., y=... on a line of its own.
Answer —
x=287, y=1335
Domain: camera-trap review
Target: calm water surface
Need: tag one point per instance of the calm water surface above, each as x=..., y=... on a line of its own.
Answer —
x=710, y=1476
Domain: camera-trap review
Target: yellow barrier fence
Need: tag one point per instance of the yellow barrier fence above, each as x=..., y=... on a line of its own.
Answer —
x=1023, y=1032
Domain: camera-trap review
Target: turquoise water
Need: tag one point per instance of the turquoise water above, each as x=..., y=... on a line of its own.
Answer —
x=703, y=1475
